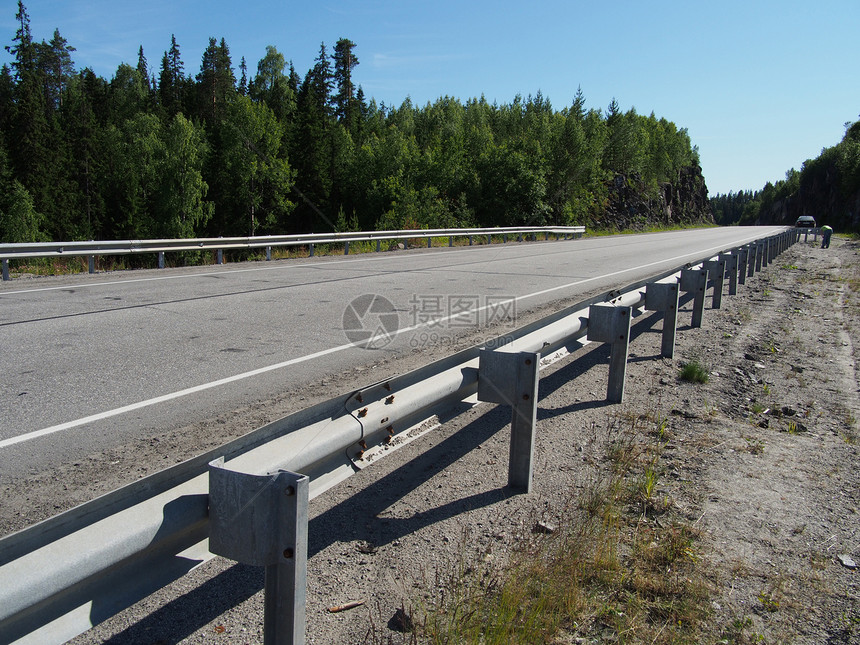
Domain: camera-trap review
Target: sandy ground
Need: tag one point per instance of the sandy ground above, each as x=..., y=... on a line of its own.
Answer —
x=763, y=460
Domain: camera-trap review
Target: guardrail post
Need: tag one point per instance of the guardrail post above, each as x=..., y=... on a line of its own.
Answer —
x=512, y=379
x=91, y=263
x=716, y=271
x=378, y=245
x=663, y=296
x=346, y=247
x=470, y=240
x=743, y=260
x=6, y=269
x=268, y=254
x=731, y=261
x=310, y=250
x=262, y=520
x=759, y=251
x=429, y=242
x=751, y=260
x=610, y=324
x=504, y=238
x=219, y=256
x=161, y=259
x=696, y=281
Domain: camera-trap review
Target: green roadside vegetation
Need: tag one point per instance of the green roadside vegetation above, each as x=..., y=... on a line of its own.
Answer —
x=163, y=151
x=621, y=566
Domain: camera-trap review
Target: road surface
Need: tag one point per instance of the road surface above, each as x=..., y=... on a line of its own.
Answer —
x=90, y=361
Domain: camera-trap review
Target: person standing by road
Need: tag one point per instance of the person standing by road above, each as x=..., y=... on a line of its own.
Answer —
x=826, y=232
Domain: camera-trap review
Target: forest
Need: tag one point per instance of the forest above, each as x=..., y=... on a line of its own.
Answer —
x=161, y=152
x=827, y=187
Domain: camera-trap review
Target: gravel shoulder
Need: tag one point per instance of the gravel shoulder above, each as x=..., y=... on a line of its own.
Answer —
x=762, y=459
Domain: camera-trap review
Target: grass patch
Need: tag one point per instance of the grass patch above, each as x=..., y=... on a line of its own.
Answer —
x=611, y=571
x=694, y=372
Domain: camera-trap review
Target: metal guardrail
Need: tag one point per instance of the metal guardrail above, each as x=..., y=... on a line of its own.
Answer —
x=92, y=249
x=806, y=230
x=62, y=576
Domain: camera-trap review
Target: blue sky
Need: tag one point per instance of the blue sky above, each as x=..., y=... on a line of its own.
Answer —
x=761, y=85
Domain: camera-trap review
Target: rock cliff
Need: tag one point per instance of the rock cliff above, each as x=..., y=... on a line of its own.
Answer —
x=632, y=205
x=821, y=195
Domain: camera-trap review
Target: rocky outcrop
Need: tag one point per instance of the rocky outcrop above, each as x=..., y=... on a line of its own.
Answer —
x=632, y=205
x=821, y=196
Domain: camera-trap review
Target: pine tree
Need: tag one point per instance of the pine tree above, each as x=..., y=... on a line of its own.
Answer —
x=143, y=69
x=171, y=81
x=312, y=147
x=322, y=80
x=346, y=106
x=55, y=61
x=81, y=123
x=243, y=80
x=215, y=82
x=577, y=110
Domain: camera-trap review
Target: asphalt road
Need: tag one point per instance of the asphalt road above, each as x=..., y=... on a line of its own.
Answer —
x=88, y=361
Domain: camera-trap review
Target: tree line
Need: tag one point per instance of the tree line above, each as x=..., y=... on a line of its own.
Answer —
x=827, y=187
x=158, y=152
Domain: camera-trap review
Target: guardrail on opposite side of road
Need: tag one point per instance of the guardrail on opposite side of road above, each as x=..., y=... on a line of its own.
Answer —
x=220, y=244
x=247, y=500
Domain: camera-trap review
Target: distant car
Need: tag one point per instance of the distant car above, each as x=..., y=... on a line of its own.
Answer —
x=805, y=220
